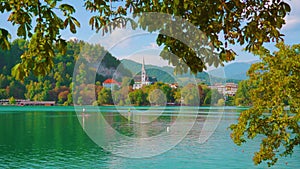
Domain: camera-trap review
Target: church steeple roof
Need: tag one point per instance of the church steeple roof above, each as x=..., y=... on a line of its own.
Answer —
x=143, y=65
x=143, y=76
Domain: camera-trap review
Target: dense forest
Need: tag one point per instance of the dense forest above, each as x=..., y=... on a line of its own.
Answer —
x=57, y=84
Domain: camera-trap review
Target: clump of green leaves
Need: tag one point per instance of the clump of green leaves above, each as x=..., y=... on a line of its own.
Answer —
x=275, y=96
x=38, y=21
x=249, y=23
x=242, y=96
x=4, y=36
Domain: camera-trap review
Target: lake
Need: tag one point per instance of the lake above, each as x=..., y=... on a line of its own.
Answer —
x=58, y=137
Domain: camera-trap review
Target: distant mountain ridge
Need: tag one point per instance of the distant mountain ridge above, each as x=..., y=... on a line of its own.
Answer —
x=235, y=70
x=166, y=73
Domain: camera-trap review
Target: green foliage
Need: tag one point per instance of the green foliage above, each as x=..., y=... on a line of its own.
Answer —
x=38, y=91
x=3, y=94
x=190, y=95
x=195, y=95
x=274, y=83
x=44, y=37
x=160, y=93
x=63, y=97
x=9, y=58
x=221, y=102
x=4, y=36
x=3, y=81
x=16, y=89
x=138, y=97
x=157, y=97
x=242, y=96
x=105, y=97
x=212, y=97
x=95, y=103
x=12, y=100
x=121, y=96
x=69, y=100
x=229, y=101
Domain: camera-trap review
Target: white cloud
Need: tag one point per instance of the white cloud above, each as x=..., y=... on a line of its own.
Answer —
x=152, y=45
x=116, y=37
x=293, y=19
x=292, y=22
x=151, y=57
x=125, y=42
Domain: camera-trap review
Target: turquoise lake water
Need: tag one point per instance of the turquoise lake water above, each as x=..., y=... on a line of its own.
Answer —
x=57, y=137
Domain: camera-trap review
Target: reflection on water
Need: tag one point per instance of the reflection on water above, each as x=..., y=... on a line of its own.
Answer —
x=138, y=134
x=38, y=139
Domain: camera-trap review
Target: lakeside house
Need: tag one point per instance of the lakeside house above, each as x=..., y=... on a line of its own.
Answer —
x=174, y=85
x=229, y=89
x=111, y=83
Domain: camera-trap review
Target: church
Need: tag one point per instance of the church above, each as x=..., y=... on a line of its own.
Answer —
x=143, y=79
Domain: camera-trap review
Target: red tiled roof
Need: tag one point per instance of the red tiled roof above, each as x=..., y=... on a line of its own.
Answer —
x=108, y=81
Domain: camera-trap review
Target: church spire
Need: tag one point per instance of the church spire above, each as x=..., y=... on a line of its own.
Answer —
x=143, y=80
x=143, y=65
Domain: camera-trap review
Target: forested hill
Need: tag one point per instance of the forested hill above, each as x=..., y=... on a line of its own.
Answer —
x=56, y=85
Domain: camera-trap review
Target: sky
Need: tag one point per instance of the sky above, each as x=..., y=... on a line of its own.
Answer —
x=132, y=44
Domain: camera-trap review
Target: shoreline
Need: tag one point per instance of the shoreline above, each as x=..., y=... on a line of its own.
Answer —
x=11, y=108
